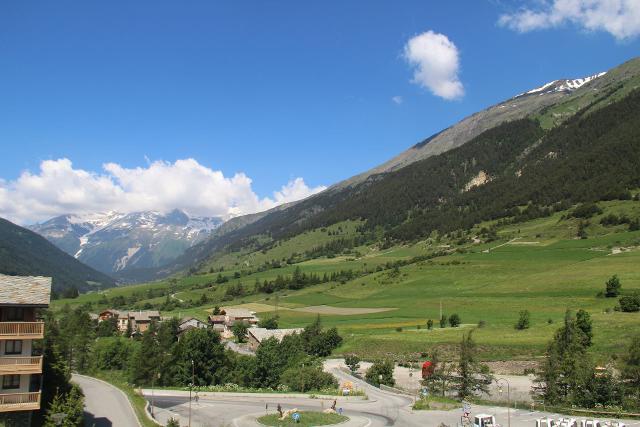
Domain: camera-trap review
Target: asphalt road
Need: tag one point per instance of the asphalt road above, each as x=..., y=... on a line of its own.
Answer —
x=104, y=404
x=380, y=409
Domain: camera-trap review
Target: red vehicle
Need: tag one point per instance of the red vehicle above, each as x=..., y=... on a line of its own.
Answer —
x=427, y=369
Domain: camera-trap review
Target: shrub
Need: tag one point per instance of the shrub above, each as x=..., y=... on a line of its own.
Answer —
x=443, y=321
x=381, y=372
x=630, y=303
x=523, y=321
x=586, y=210
x=307, y=378
x=454, y=320
x=612, y=287
x=430, y=324
x=353, y=362
x=482, y=324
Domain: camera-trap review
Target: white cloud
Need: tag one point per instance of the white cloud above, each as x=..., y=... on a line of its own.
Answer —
x=620, y=18
x=436, y=64
x=59, y=188
x=397, y=99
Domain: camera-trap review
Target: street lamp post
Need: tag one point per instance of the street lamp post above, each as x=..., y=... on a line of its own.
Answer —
x=499, y=382
x=191, y=388
x=152, y=394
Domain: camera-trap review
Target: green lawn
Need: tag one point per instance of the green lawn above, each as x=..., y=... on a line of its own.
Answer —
x=306, y=419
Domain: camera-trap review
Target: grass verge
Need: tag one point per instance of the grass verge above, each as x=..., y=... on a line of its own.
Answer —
x=306, y=419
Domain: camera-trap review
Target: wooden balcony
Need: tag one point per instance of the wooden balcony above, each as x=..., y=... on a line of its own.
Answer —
x=18, y=365
x=19, y=402
x=21, y=330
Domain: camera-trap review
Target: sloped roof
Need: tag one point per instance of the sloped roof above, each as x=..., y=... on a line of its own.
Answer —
x=238, y=312
x=144, y=315
x=25, y=290
x=261, y=334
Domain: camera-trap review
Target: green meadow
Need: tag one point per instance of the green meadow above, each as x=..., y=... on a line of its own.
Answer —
x=539, y=266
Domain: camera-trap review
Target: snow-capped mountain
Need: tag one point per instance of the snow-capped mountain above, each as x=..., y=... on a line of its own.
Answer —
x=563, y=85
x=114, y=242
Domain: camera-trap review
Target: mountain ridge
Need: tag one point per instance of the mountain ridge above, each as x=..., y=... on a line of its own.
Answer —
x=24, y=252
x=113, y=241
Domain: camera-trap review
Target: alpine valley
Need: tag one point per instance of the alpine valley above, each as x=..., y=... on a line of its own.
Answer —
x=121, y=244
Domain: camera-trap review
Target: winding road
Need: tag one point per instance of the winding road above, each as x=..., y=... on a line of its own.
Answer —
x=104, y=404
x=382, y=408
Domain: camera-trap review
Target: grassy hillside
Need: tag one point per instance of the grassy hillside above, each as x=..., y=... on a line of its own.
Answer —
x=486, y=275
x=23, y=252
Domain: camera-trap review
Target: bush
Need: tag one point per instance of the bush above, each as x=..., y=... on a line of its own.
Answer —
x=398, y=329
x=430, y=324
x=630, y=303
x=269, y=323
x=482, y=324
x=523, y=321
x=612, y=287
x=353, y=362
x=454, y=320
x=586, y=210
x=381, y=372
x=443, y=321
x=307, y=378
x=240, y=331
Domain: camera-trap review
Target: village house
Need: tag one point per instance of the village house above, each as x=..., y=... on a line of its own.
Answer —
x=20, y=327
x=189, y=323
x=223, y=322
x=257, y=335
x=139, y=320
x=217, y=322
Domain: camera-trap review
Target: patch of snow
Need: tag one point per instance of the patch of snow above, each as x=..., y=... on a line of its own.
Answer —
x=562, y=85
x=122, y=262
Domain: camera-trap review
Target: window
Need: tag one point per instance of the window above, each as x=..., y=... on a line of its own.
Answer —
x=10, y=382
x=15, y=314
x=13, y=347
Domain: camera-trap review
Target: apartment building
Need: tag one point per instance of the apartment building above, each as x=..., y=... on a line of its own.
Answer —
x=20, y=365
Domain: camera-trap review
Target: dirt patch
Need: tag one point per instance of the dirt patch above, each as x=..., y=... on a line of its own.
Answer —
x=255, y=306
x=340, y=311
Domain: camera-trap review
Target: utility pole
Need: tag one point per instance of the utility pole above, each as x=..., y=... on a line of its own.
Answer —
x=191, y=388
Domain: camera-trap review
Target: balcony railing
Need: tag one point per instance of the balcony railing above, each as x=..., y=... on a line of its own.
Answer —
x=21, y=330
x=20, y=365
x=19, y=402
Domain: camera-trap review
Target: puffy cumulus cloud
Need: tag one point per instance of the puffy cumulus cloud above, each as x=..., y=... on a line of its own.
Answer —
x=620, y=18
x=58, y=188
x=436, y=64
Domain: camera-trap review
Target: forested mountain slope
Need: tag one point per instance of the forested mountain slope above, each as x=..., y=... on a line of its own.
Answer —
x=23, y=252
x=515, y=166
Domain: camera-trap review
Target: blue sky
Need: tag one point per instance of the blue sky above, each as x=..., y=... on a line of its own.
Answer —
x=272, y=89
